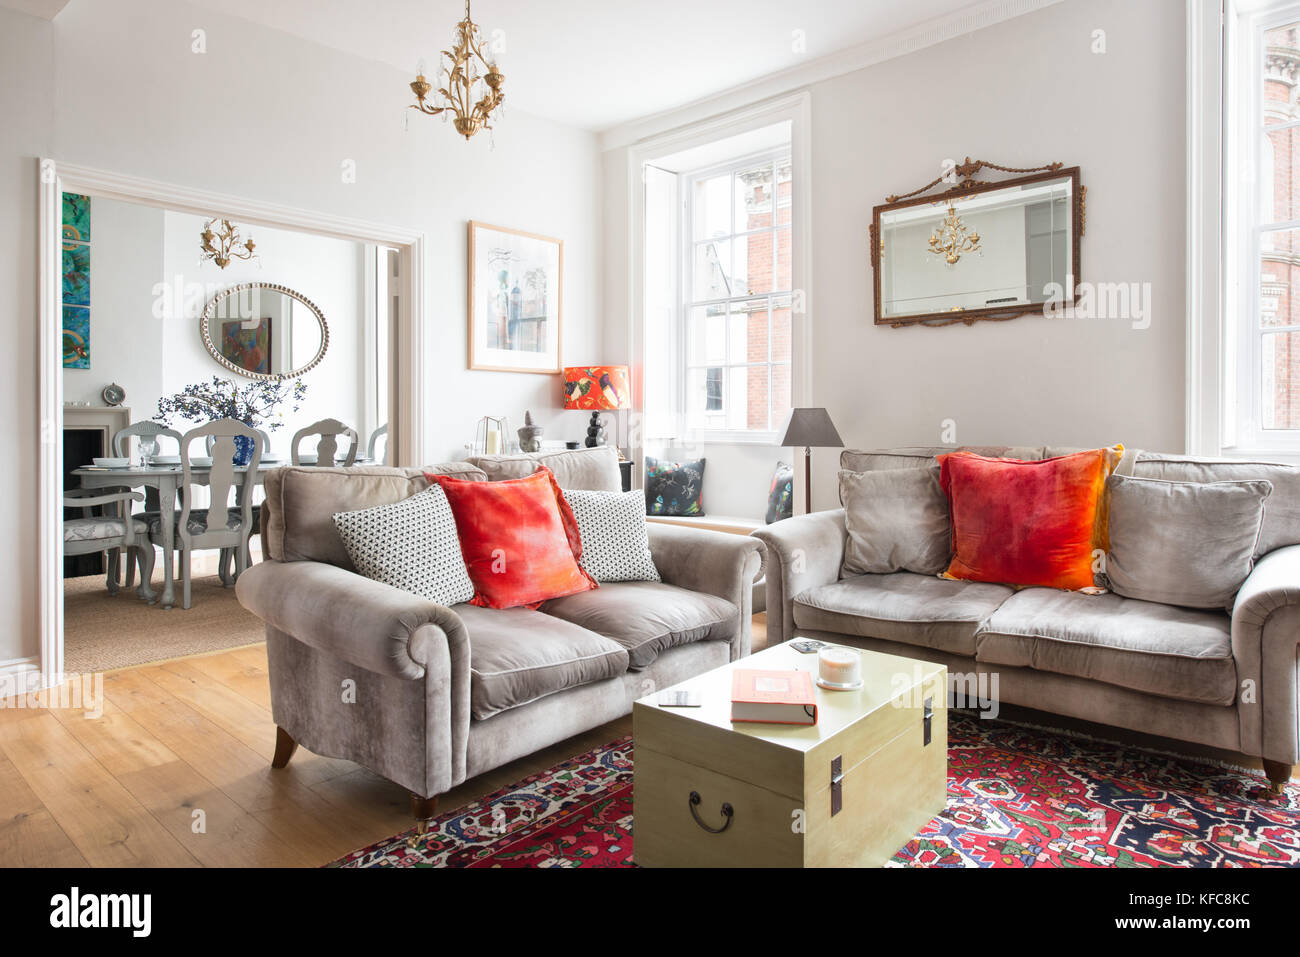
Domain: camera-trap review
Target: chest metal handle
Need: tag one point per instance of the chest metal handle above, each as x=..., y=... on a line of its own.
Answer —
x=728, y=812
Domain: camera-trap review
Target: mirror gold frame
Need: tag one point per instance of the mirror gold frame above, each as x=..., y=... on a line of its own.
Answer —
x=969, y=186
x=209, y=312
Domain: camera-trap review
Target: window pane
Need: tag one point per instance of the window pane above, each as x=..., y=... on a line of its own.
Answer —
x=781, y=391
x=706, y=336
x=754, y=264
x=784, y=255
x=1280, y=380
x=713, y=271
x=781, y=329
x=754, y=198
x=713, y=389
x=1281, y=45
x=747, y=398
x=1279, y=278
x=705, y=398
x=712, y=208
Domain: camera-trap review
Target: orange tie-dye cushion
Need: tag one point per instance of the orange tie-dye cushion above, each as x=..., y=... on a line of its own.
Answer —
x=519, y=539
x=1027, y=523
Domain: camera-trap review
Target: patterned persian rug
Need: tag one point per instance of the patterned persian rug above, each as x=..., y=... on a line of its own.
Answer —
x=1017, y=797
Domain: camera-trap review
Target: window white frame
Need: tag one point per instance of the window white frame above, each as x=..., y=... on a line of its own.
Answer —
x=1246, y=241
x=687, y=245
x=795, y=108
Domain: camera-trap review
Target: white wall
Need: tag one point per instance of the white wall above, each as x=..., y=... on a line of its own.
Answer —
x=329, y=272
x=1024, y=92
x=126, y=338
x=270, y=117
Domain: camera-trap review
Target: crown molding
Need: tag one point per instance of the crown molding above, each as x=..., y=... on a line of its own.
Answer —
x=975, y=17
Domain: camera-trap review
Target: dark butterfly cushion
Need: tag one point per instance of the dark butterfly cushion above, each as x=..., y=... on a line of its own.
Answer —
x=780, y=497
x=674, y=488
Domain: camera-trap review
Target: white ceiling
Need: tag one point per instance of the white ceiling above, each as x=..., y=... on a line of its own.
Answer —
x=599, y=63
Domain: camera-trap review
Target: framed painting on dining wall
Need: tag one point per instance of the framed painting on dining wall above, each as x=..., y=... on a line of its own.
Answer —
x=515, y=300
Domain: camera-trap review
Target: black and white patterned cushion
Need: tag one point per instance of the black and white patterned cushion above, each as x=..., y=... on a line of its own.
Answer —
x=615, y=544
x=411, y=544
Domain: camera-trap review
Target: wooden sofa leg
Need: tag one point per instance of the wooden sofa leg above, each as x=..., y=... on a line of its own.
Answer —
x=423, y=809
x=285, y=746
x=1278, y=774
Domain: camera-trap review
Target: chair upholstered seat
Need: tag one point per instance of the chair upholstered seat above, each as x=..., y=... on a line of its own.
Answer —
x=97, y=527
x=1181, y=653
x=647, y=618
x=518, y=655
x=197, y=524
x=915, y=609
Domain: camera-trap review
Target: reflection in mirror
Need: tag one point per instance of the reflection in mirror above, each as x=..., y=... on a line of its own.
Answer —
x=990, y=251
x=264, y=331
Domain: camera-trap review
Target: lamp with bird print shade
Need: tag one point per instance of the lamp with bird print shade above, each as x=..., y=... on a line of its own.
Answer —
x=597, y=389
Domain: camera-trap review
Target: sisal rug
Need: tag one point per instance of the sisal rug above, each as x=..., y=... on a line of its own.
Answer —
x=102, y=631
x=1017, y=797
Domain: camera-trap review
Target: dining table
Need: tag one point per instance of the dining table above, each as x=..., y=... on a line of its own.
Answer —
x=166, y=479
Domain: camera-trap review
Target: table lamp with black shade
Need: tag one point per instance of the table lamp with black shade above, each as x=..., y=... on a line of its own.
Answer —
x=813, y=429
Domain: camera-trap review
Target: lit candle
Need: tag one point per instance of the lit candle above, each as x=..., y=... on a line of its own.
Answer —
x=839, y=669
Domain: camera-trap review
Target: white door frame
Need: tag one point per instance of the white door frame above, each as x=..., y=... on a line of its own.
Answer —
x=406, y=406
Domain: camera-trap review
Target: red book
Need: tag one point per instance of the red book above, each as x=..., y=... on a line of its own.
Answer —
x=773, y=697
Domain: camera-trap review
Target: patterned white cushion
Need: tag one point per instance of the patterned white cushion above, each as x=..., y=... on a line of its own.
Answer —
x=615, y=544
x=411, y=544
x=97, y=527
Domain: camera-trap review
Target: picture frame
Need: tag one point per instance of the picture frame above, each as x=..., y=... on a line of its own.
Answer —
x=248, y=345
x=515, y=301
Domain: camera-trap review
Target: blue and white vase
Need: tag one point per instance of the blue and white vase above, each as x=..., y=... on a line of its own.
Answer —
x=244, y=446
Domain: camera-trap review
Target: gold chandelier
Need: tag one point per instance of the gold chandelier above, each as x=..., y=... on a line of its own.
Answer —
x=461, y=73
x=224, y=243
x=952, y=239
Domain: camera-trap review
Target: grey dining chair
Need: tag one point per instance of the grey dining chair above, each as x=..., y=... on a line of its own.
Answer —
x=327, y=449
x=375, y=436
x=227, y=557
x=219, y=525
x=109, y=533
x=146, y=429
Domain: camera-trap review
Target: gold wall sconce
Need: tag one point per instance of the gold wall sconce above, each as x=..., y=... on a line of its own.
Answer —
x=220, y=242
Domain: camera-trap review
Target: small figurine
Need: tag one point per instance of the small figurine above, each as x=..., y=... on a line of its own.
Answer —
x=530, y=436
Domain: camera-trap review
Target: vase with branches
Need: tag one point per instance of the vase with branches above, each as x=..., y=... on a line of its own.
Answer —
x=256, y=404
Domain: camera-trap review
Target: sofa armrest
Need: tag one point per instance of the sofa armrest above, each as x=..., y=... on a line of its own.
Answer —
x=715, y=563
x=1266, y=647
x=802, y=552
x=368, y=623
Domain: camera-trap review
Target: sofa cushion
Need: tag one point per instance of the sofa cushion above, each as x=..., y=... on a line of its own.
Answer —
x=594, y=469
x=897, y=520
x=517, y=655
x=648, y=617
x=1281, y=511
x=1183, y=543
x=519, y=539
x=916, y=609
x=1027, y=522
x=1178, y=653
x=301, y=502
x=615, y=541
x=411, y=545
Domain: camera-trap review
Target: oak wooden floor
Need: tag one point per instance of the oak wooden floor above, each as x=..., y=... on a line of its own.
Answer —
x=196, y=735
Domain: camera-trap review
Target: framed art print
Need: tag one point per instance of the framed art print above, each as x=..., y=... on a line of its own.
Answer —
x=515, y=301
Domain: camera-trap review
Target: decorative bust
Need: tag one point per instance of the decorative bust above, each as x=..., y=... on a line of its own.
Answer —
x=530, y=436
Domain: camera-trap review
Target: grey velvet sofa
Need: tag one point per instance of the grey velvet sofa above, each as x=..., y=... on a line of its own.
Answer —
x=1227, y=680
x=428, y=696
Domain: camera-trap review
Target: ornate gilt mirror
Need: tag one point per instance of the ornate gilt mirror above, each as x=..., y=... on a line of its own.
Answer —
x=264, y=331
x=978, y=250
